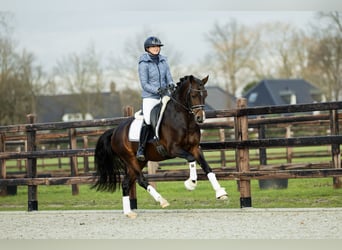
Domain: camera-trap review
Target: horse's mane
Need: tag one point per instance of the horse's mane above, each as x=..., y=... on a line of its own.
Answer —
x=184, y=79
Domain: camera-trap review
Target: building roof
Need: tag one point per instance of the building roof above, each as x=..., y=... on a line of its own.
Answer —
x=219, y=99
x=53, y=108
x=282, y=92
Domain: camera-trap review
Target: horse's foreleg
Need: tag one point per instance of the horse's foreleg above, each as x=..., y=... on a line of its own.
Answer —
x=221, y=193
x=191, y=183
x=152, y=191
x=126, y=204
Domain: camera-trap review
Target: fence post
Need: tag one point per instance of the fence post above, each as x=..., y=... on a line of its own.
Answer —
x=222, y=152
x=3, y=189
x=128, y=111
x=262, y=151
x=289, y=150
x=242, y=154
x=335, y=148
x=152, y=167
x=85, y=158
x=59, y=158
x=31, y=165
x=73, y=160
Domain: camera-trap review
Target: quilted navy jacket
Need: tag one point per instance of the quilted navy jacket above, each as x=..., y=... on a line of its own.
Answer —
x=153, y=76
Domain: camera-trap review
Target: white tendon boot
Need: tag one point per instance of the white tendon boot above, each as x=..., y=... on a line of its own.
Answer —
x=127, y=208
x=191, y=183
x=221, y=193
x=163, y=203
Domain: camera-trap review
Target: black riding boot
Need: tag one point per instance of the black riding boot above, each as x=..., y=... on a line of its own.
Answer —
x=145, y=129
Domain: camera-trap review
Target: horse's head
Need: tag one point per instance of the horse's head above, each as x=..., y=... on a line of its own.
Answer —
x=195, y=96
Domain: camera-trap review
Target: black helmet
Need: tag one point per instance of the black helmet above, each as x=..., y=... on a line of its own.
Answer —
x=152, y=41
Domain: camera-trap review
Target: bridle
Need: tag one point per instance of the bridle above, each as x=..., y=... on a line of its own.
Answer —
x=189, y=106
x=202, y=94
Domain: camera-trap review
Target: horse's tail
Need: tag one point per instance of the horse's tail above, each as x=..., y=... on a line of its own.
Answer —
x=108, y=165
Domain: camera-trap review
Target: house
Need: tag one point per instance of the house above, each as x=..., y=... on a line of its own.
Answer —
x=219, y=99
x=283, y=92
x=73, y=107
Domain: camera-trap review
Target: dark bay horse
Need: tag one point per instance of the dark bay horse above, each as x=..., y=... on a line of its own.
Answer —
x=179, y=136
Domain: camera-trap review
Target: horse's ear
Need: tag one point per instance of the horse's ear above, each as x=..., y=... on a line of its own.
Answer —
x=204, y=80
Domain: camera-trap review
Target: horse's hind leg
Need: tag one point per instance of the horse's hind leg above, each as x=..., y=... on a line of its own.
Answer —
x=152, y=191
x=127, y=183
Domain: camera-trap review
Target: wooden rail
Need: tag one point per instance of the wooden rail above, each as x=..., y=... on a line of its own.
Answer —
x=240, y=120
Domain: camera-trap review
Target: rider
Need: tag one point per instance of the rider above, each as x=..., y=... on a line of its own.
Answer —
x=154, y=75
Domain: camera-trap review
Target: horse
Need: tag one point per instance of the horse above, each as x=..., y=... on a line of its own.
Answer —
x=179, y=136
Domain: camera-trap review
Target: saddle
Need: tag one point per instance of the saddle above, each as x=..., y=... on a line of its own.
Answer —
x=156, y=117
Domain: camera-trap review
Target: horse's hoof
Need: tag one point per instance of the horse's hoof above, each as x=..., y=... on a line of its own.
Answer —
x=223, y=198
x=190, y=184
x=131, y=215
x=164, y=203
x=221, y=194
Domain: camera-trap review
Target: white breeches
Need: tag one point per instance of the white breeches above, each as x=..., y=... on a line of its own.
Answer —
x=148, y=105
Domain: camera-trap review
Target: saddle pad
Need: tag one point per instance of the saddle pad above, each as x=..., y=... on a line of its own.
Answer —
x=134, y=129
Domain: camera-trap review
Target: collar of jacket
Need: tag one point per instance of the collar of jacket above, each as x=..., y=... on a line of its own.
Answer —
x=146, y=58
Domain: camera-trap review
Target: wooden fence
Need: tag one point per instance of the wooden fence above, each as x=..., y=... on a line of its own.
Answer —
x=240, y=120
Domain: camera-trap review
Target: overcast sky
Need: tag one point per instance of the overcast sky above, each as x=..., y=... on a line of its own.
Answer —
x=52, y=29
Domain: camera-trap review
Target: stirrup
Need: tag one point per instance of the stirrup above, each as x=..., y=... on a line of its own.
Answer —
x=140, y=155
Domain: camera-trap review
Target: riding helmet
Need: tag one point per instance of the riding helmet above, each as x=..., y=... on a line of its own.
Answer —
x=152, y=41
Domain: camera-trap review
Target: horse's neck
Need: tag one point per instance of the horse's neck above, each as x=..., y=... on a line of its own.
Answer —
x=184, y=116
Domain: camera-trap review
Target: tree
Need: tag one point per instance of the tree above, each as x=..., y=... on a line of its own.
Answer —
x=279, y=57
x=234, y=49
x=82, y=74
x=19, y=77
x=325, y=55
x=130, y=97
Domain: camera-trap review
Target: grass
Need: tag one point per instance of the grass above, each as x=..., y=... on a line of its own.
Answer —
x=314, y=192
x=300, y=193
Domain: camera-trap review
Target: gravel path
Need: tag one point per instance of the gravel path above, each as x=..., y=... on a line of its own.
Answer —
x=247, y=223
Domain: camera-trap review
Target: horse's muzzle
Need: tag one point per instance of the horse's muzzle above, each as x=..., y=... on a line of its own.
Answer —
x=200, y=116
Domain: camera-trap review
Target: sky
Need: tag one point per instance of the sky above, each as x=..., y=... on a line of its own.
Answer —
x=54, y=29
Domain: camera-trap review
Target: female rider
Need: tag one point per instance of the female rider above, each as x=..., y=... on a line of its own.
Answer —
x=154, y=75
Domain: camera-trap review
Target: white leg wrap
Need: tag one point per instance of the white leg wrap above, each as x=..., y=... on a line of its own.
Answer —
x=193, y=172
x=163, y=203
x=154, y=193
x=191, y=183
x=213, y=181
x=126, y=205
x=221, y=194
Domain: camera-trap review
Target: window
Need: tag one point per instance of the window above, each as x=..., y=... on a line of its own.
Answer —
x=288, y=96
x=252, y=97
